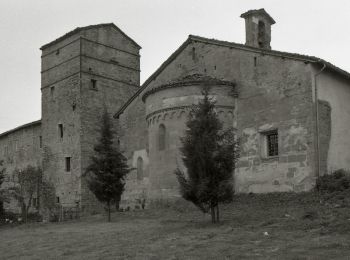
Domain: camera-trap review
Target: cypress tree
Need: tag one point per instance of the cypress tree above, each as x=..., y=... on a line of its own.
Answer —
x=108, y=168
x=209, y=154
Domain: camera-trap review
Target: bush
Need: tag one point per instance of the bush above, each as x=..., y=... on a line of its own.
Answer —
x=339, y=180
x=34, y=217
x=9, y=218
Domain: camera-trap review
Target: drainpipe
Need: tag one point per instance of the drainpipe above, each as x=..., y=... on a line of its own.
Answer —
x=318, y=166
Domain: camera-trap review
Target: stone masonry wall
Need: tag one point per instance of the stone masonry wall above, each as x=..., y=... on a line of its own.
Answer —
x=82, y=74
x=20, y=148
x=112, y=61
x=325, y=132
x=273, y=93
x=134, y=143
x=170, y=109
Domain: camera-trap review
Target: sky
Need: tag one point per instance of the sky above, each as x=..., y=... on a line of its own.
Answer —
x=313, y=27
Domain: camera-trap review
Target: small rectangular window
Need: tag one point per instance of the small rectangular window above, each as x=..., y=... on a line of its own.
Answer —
x=269, y=144
x=272, y=143
x=60, y=130
x=94, y=84
x=57, y=199
x=52, y=92
x=67, y=164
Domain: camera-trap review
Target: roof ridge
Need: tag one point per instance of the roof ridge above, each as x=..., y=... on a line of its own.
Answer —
x=20, y=127
x=192, y=37
x=79, y=29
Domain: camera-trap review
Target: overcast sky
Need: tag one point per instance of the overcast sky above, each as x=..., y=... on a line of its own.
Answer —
x=313, y=27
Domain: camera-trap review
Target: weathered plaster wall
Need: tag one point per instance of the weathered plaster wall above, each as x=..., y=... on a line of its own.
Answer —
x=324, y=133
x=336, y=92
x=18, y=149
x=273, y=93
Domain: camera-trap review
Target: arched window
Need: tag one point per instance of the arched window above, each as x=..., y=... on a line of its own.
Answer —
x=161, y=137
x=139, y=168
x=261, y=34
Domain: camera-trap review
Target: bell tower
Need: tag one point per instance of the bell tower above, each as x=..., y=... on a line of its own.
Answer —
x=258, y=28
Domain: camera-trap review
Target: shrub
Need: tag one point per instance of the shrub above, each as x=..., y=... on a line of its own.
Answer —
x=339, y=180
x=9, y=218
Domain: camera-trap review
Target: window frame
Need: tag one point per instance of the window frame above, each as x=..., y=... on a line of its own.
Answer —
x=162, y=137
x=60, y=131
x=265, y=146
x=68, y=164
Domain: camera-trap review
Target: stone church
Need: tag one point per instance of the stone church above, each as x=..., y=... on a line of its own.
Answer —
x=291, y=112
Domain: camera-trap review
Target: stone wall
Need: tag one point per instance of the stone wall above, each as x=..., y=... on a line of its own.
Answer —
x=83, y=73
x=274, y=92
x=169, y=108
x=133, y=134
x=20, y=148
x=325, y=133
x=112, y=61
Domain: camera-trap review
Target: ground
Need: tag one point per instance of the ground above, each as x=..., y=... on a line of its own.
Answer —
x=274, y=226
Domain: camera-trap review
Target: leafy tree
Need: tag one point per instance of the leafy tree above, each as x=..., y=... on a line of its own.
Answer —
x=108, y=168
x=209, y=155
x=28, y=184
x=2, y=194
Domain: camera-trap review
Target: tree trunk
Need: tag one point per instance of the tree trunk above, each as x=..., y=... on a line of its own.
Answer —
x=1, y=208
x=109, y=211
x=24, y=212
x=212, y=211
x=217, y=213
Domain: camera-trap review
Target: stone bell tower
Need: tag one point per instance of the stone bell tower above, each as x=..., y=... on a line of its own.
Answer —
x=258, y=28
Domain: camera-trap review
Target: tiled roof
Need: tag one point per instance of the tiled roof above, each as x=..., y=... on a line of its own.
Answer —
x=38, y=122
x=79, y=29
x=258, y=11
x=188, y=80
x=193, y=38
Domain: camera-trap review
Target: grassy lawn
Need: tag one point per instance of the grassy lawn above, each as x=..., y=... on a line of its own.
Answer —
x=274, y=226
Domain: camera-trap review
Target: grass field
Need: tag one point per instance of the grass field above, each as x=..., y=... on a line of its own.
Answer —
x=274, y=226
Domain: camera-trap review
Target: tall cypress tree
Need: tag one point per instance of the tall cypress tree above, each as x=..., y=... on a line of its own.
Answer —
x=209, y=155
x=108, y=168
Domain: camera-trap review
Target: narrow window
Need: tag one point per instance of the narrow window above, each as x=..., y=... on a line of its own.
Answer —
x=261, y=34
x=57, y=199
x=60, y=130
x=272, y=143
x=193, y=53
x=67, y=164
x=254, y=61
x=40, y=141
x=161, y=137
x=94, y=84
x=52, y=92
x=139, y=168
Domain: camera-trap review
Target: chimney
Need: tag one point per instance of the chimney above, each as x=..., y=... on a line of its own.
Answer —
x=258, y=28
